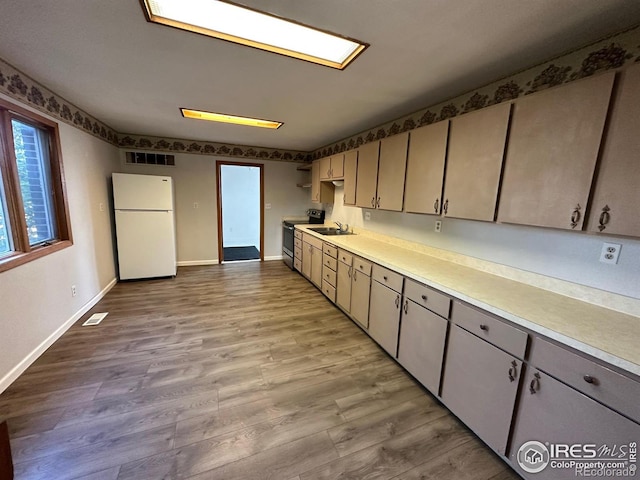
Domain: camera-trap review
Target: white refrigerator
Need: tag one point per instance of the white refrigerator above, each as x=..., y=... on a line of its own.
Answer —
x=145, y=226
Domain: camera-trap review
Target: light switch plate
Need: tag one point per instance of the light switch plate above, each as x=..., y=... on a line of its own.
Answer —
x=610, y=253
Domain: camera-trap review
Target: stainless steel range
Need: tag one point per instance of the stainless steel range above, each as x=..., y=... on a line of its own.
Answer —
x=314, y=217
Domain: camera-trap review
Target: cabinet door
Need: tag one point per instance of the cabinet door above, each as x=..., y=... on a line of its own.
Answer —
x=321, y=192
x=614, y=205
x=553, y=147
x=421, y=346
x=325, y=168
x=474, y=163
x=367, y=175
x=479, y=386
x=350, y=169
x=337, y=166
x=391, y=170
x=343, y=297
x=384, y=317
x=316, y=266
x=550, y=411
x=307, y=253
x=425, y=168
x=360, y=290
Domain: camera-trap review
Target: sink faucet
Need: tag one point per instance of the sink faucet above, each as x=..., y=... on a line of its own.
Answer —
x=344, y=227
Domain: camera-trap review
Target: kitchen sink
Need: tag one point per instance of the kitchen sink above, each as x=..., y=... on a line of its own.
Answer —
x=329, y=231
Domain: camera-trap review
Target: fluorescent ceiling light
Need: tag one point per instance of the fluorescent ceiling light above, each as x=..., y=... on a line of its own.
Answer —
x=221, y=117
x=239, y=24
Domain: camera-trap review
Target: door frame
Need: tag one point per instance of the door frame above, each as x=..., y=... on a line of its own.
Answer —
x=219, y=164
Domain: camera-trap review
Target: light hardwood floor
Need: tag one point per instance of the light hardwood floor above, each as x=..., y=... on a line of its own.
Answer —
x=236, y=371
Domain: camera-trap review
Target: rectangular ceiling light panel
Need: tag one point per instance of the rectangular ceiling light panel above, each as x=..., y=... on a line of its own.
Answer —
x=224, y=118
x=243, y=25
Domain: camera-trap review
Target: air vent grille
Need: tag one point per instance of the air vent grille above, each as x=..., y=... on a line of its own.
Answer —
x=142, y=158
x=95, y=319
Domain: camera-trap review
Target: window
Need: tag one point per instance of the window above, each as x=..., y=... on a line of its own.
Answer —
x=33, y=210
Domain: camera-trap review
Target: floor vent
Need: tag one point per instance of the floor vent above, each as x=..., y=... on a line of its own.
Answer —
x=95, y=319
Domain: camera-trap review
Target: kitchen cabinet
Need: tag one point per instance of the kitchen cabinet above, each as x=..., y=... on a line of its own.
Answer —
x=360, y=291
x=321, y=192
x=367, y=175
x=474, y=163
x=332, y=168
x=479, y=385
x=616, y=196
x=312, y=259
x=391, y=172
x=350, y=171
x=553, y=148
x=384, y=316
x=423, y=334
x=550, y=411
x=343, y=287
x=425, y=168
x=329, y=267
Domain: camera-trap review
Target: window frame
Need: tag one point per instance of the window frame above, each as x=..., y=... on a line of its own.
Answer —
x=23, y=252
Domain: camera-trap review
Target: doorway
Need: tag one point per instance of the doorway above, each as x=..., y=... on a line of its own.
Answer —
x=240, y=211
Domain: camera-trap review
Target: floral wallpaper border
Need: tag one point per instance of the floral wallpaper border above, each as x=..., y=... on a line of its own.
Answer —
x=614, y=52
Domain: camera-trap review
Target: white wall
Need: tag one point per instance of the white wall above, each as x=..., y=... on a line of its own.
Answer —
x=570, y=256
x=36, y=297
x=240, y=206
x=195, y=182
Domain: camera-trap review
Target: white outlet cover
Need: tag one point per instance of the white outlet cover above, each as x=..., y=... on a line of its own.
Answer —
x=267, y=206
x=610, y=253
x=438, y=226
x=367, y=215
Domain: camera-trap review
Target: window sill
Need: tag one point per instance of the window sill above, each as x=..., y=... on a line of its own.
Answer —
x=20, y=258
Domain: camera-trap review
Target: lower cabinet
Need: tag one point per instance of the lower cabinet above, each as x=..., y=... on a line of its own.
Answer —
x=360, y=292
x=343, y=287
x=421, y=346
x=312, y=263
x=384, y=317
x=553, y=413
x=480, y=385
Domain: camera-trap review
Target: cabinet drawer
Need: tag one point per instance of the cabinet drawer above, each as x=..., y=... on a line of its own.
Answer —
x=329, y=275
x=387, y=278
x=611, y=388
x=311, y=240
x=427, y=297
x=345, y=257
x=329, y=262
x=297, y=252
x=362, y=266
x=297, y=242
x=329, y=290
x=297, y=234
x=297, y=264
x=493, y=330
x=330, y=250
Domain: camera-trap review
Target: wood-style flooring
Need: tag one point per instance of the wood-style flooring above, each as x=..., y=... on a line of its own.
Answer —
x=237, y=371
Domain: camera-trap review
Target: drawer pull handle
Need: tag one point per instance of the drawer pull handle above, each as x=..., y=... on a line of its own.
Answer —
x=590, y=380
x=385, y=278
x=575, y=216
x=484, y=328
x=361, y=267
x=424, y=297
x=534, y=386
x=513, y=371
x=604, y=218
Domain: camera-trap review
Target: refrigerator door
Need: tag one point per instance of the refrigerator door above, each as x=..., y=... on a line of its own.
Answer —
x=142, y=192
x=146, y=244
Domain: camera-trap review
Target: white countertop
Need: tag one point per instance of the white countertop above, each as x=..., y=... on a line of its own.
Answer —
x=605, y=334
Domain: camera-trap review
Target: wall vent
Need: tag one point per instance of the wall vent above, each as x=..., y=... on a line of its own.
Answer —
x=95, y=319
x=142, y=158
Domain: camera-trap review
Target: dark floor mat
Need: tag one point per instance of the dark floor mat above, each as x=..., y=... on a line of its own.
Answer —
x=240, y=253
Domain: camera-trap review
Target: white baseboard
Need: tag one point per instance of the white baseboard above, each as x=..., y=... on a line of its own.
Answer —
x=275, y=257
x=19, y=369
x=195, y=263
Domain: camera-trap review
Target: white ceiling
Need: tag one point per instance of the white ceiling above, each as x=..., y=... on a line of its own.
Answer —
x=104, y=57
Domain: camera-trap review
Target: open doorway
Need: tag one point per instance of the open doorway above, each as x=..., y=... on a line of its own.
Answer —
x=240, y=211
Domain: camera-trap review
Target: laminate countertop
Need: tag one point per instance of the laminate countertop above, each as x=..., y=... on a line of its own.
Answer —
x=606, y=334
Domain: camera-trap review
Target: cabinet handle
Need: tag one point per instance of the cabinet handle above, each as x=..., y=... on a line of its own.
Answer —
x=406, y=306
x=398, y=301
x=344, y=198
x=378, y=203
x=424, y=298
x=349, y=272
x=327, y=275
x=373, y=202
x=446, y=206
x=534, y=386
x=590, y=380
x=435, y=205
x=385, y=278
x=354, y=275
x=513, y=371
x=484, y=328
x=575, y=216
x=604, y=218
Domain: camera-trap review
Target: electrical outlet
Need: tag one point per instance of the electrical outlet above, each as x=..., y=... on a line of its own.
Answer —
x=196, y=204
x=610, y=253
x=367, y=215
x=74, y=292
x=267, y=206
x=438, y=227
x=101, y=206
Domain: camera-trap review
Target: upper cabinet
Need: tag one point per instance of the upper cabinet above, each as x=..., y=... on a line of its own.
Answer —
x=332, y=168
x=391, y=170
x=425, y=168
x=474, y=163
x=367, y=174
x=615, y=200
x=552, y=153
x=350, y=169
x=320, y=192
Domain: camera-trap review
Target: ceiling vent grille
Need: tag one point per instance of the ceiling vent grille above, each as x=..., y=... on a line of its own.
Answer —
x=142, y=158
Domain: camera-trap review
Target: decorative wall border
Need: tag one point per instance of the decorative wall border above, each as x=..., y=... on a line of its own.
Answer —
x=611, y=53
